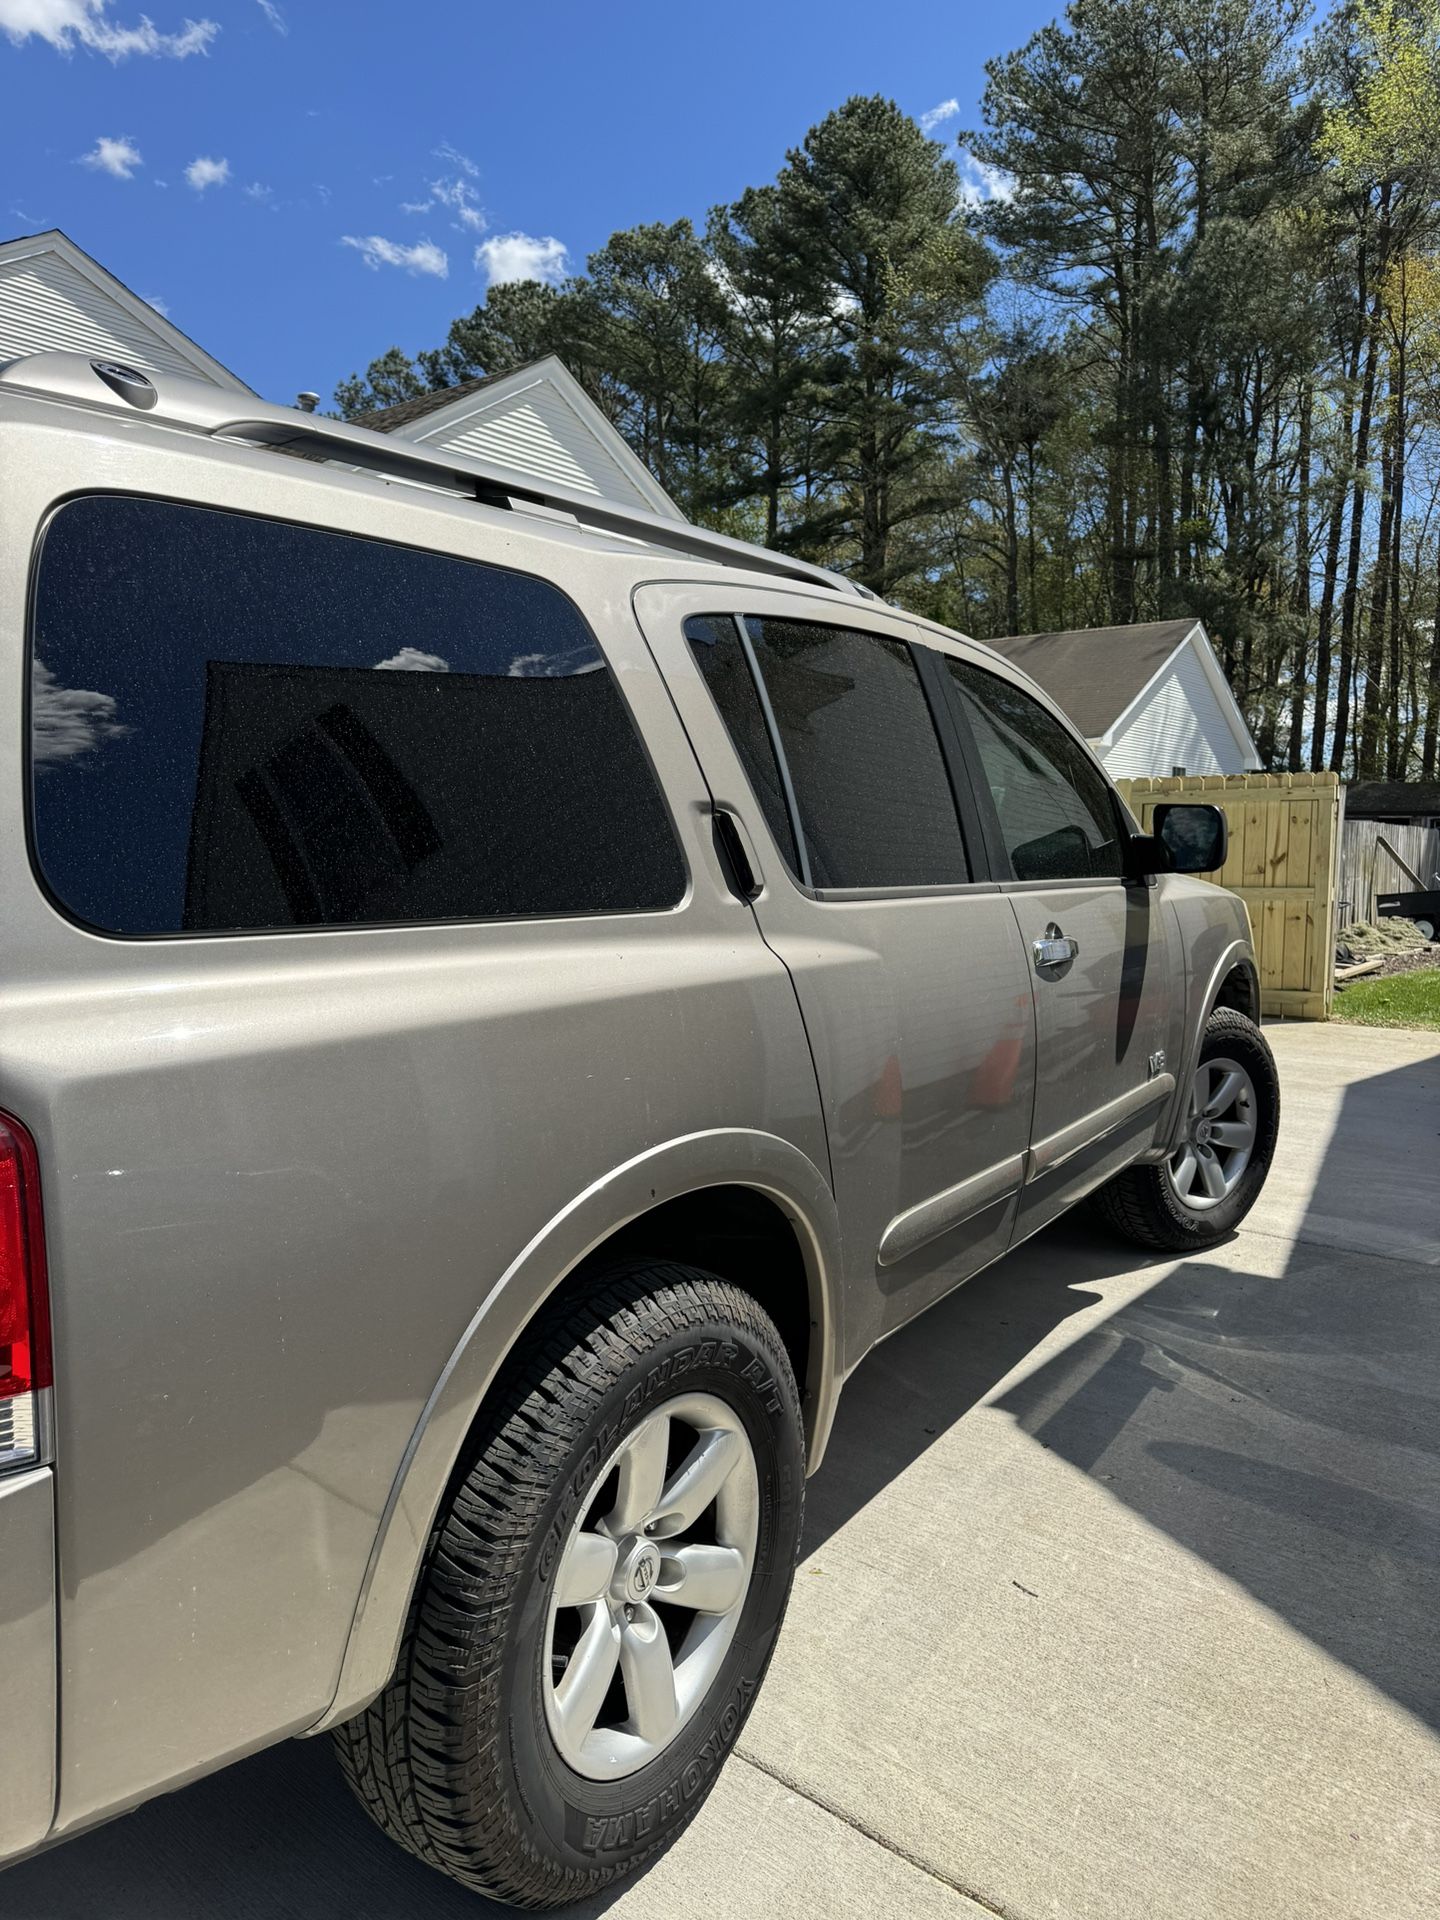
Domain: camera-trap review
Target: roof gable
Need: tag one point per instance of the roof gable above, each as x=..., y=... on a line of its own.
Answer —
x=537, y=423
x=1102, y=676
x=54, y=296
x=1095, y=673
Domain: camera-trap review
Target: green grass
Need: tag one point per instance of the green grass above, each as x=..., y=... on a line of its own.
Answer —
x=1404, y=1000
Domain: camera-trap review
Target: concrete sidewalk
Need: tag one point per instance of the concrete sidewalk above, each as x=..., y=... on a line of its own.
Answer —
x=1119, y=1600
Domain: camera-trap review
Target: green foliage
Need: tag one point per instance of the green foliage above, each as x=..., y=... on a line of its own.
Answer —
x=520, y=321
x=386, y=381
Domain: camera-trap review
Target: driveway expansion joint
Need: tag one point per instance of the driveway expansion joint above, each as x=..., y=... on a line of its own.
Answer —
x=880, y=1840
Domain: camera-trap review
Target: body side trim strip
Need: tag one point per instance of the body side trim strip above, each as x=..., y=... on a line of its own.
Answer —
x=917, y=1226
x=1059, y=1147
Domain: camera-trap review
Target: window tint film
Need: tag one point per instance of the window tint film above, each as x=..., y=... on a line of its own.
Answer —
x=874, y=797
x=238, y=724
x=721, y=659
x=1057, y=817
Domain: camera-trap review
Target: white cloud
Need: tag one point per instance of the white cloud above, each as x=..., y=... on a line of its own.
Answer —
x=453, y=157
x=459, y=196
x=981, y=183
x=416, y=206
x=273, y=14
x=66, y=24
x=68, y=721
x=521, y=256
x=412, y=660
x=257, y=190
x=204, y=172
x=118, y=157
x=553, y=666
x=377, y=252
x=159, y=305
x=937, y=116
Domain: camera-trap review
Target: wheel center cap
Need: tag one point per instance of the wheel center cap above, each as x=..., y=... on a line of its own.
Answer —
x=1202, y=1133
x=640, y=1571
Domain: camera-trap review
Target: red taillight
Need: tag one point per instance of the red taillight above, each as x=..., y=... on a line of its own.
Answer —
x=24, y=1303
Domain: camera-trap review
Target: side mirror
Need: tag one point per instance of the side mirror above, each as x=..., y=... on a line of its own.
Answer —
x=1196, y=838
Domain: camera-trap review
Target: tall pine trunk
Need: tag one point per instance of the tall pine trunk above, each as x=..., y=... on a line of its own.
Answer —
x=1301, y=664
x=1350, y=597
x=1367, y=747
x=1330, y=577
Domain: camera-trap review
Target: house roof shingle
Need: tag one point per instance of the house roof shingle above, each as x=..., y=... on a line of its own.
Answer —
x=1392, y=799
x=387, y=419
x=1095, y=672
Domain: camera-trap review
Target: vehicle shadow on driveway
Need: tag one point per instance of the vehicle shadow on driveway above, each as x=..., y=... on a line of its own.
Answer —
x=1275, y=1409
x=277, y=1837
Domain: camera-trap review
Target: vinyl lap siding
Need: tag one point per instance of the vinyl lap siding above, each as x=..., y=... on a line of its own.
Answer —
x=1181, y=724
x=45, y=305
x=536, y=434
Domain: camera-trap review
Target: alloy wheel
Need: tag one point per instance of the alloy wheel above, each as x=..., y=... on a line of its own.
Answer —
x=1221, y=1127
x=650, y=1586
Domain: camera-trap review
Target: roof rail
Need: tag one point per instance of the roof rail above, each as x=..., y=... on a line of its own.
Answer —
x=222, y=414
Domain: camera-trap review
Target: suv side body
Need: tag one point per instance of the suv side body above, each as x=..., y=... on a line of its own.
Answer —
x=305, y=1190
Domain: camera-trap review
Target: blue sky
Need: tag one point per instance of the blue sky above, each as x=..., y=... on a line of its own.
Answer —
x=302, y=185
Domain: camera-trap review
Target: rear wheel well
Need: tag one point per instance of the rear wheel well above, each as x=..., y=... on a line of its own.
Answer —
x=736, y=1232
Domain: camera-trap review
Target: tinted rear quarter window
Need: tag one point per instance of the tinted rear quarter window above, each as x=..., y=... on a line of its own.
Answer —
x=240, y=724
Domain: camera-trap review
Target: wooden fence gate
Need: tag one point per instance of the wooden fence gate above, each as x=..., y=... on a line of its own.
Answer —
x=1284, y=846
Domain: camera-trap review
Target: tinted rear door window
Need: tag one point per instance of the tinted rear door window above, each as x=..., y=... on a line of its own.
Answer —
x=875, y=802
x=716, y=646
x=239, y=724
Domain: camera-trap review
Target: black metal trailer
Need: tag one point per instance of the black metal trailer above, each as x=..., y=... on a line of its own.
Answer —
x=1422, y=908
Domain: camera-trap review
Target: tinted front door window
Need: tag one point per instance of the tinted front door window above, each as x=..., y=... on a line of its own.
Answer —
x=1058, y=818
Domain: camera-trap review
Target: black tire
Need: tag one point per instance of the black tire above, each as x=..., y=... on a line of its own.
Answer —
x=455, y=1759
x=1141, y=1203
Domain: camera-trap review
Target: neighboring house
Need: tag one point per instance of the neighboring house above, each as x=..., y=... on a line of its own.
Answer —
x=1398, y=803
x=1151, y=699
x=53, y=296
x=537, y=423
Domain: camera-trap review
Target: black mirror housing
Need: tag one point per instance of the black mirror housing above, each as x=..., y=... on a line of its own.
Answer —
x=1196, y=837
x=1145, y=855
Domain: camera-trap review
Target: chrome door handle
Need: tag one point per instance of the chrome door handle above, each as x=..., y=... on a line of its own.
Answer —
x=1053, y=949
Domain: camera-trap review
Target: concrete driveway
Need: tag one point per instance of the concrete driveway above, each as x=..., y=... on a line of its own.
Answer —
x=1121, y=1598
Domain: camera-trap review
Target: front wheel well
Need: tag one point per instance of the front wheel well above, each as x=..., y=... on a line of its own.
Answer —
x=1240, y=990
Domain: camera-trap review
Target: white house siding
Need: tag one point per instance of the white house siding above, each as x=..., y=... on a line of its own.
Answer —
x=1180, y=723
x=45, y=305
x=537, y=435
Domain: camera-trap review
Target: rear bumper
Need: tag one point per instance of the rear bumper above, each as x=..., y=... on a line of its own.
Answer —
x=27, y=1660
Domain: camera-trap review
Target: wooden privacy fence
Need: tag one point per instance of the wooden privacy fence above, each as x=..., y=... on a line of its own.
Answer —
x=1284, y=844
x=1367, y=869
